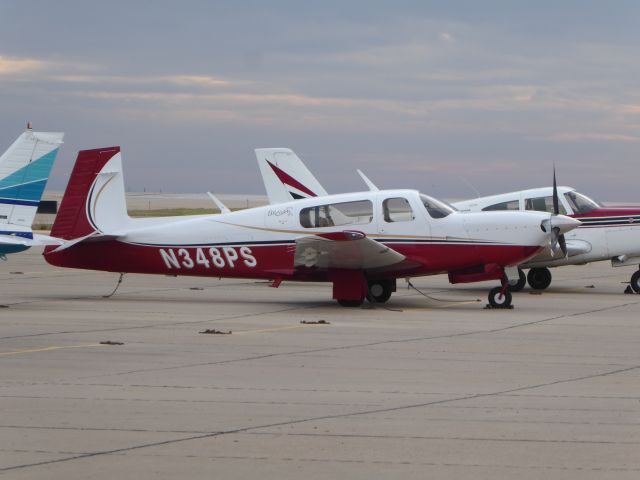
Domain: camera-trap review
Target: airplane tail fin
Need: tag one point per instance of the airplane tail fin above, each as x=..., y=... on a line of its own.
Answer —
x=24, y=171
x=94, y=202
x=285, y=176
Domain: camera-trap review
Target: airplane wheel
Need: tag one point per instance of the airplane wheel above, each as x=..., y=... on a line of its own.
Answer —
x=522, y=281
x=380, y=291
x=539, y=278
x=498, y=299
x=635, y=281
x=350, y=303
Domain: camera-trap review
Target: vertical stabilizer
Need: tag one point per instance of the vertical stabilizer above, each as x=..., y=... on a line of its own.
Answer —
x=24, y=171
x=285, y=177
x=94, y=201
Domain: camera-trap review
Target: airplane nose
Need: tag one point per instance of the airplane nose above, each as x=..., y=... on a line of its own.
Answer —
x=563, y=223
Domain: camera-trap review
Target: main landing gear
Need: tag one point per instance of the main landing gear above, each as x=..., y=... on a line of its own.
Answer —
x=635, y=281
x=519, y=285
x=378, y=291
x=539, y=278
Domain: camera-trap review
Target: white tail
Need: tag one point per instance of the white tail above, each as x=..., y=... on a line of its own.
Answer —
x=24, y=171
x=285, y=177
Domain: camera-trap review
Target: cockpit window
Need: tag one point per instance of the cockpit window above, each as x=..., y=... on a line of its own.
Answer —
x=336, y=214
x=397, y=209
x=543, y=204
x=580, y=203
x=510, y=205
x=436, y=208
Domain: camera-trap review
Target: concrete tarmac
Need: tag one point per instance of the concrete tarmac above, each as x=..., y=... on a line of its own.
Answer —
x=429, y=386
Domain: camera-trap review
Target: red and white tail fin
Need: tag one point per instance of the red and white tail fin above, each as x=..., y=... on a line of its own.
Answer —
x=285, y=177
x=94, y=202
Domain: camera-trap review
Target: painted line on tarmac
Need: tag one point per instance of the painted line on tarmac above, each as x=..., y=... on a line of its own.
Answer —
x=48, y=349
x=278, y=329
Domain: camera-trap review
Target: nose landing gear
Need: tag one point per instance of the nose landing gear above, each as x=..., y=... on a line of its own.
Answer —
x=500, y=297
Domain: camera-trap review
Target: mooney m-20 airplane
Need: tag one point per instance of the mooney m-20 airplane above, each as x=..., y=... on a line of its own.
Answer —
x=361, y=242
x=24, y=171
x=605, y=233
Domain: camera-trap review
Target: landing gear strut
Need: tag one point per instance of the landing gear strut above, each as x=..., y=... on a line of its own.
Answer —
x=635, y=281
x=500, y=297
x=522, y=281
x=539, y=278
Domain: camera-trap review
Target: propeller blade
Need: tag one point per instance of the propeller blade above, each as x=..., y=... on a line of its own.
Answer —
x=563, y=244
x=556, y=204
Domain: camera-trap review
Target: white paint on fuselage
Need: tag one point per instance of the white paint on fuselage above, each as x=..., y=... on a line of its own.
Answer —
x=282, y=223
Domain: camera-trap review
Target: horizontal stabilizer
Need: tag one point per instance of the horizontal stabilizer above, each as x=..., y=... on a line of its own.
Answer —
x=92, y=237
x=36, y=241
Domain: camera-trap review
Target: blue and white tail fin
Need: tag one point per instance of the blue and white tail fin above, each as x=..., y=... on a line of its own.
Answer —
x=24, y=171
x=285, y=177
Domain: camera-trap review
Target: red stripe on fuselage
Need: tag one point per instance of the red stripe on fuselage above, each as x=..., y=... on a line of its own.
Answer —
x=269, y=261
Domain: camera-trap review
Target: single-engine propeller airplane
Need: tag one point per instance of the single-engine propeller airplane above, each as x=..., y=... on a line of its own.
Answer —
x=24, y=171
x=605, y=233
x=360, y=242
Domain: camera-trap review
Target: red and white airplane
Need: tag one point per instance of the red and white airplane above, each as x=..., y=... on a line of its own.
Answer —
x=360, y=242
x=605, y=233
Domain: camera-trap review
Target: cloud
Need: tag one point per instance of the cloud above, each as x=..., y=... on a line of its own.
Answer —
x=446, y=37
x=587, y=137
x=17, y=65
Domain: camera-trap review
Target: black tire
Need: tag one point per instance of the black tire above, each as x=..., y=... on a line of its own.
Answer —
x=539, y=278
x=350, y=303
x=522, y=281
x=497, y=299
x=635, y=281
x=380, y=291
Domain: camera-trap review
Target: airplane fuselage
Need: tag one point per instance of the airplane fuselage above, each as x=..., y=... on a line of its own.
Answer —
x=260, y=242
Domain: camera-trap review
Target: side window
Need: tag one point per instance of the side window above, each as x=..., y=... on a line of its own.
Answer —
x=543, y=204
x=337, y=214
x=512, y=205
x=397, y=210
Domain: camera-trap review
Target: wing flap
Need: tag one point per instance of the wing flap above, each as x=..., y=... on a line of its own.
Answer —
x=350, y=250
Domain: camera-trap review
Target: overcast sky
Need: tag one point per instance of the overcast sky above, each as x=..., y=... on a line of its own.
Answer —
x=448, y=97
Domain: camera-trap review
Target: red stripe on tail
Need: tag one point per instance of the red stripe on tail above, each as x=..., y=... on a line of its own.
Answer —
x=289, y=180
x=71, y=221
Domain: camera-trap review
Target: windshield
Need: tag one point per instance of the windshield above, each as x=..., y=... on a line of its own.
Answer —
x=436, y=208
x=580, y=203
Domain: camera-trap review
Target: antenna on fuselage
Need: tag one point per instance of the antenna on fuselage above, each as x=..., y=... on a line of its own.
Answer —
x=221, y=206
x=370, y=184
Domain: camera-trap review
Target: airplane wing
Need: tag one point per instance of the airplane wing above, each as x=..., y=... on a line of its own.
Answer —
x=349, y=249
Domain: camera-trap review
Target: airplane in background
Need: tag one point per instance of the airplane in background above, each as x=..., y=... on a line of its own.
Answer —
x=360, y=242
x=605, y=233
x=24, y=171
x=285, y=176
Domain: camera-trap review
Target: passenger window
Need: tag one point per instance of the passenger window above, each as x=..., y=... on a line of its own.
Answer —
x=397, y=210
x=543, y=204
x=337, y=214
x=512, y=205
